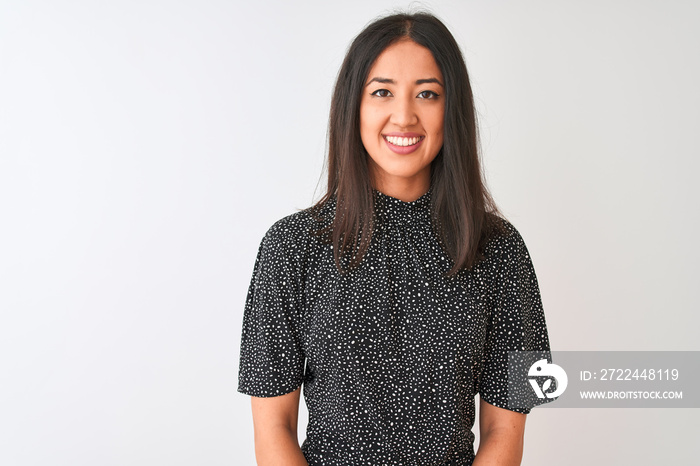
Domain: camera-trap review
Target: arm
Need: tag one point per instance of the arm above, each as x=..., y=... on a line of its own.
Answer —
x=501, y=436
x=275, y=425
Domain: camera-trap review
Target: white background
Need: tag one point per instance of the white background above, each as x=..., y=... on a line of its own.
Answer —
x=146, y=146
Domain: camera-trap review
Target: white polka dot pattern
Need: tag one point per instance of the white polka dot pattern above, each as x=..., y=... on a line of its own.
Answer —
x=392, y=354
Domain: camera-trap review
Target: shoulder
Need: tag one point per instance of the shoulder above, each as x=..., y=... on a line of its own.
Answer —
x=505, y=243
x=290, y=231
x=504, y=235
x=302, y=226
x=508, y=267
x=293, y=236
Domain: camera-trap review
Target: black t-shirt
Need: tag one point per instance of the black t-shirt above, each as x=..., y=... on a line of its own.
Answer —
x=392, y=354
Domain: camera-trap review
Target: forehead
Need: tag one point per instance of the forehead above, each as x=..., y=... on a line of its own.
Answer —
x=405, y=59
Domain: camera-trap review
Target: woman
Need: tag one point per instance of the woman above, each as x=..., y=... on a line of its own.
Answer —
x=395, y=299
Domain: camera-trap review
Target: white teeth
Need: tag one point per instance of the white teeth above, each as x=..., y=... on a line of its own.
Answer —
x=398, y=141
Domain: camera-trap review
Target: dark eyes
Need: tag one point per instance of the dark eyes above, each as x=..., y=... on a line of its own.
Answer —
x=421, y=95
x=428, y=95
x=381, y=93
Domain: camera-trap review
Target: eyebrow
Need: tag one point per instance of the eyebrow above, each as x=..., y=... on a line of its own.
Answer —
x=391, y=81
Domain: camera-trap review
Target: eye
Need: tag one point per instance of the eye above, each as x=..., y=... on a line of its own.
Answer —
x=428, y=95
x=381, y=93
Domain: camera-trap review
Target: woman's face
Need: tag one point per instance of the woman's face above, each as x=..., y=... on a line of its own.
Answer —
x=401, y=115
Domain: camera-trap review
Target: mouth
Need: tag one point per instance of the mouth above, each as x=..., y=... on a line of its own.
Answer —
x=403, y=145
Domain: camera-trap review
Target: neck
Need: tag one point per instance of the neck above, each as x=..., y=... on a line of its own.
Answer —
x=407, y=192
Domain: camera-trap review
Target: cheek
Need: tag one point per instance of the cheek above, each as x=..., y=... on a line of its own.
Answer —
x=432, y=118
x=437, y=124
x=368, y=117
x=365, y=122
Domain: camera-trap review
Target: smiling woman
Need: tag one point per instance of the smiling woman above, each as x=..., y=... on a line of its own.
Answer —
x=395, y=299
x=402, y=113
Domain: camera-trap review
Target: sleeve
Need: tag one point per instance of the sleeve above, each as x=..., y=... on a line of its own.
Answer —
x=271, y=353
x=516, y=332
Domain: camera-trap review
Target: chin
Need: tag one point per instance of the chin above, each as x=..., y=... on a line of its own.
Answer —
x=401, y=171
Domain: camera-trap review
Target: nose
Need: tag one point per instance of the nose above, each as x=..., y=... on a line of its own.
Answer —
x=404, y=114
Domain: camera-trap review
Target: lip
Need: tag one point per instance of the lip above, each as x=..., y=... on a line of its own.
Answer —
x=403, y=149
x=403, y=135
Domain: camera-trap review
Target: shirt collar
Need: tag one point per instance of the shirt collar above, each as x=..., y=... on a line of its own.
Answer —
x=398, y=211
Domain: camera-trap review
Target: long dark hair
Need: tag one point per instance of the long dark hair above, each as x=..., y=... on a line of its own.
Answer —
x=463, y=212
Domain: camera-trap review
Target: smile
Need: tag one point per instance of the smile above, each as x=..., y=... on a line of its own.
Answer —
x=403, y=142
x=401, y=145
